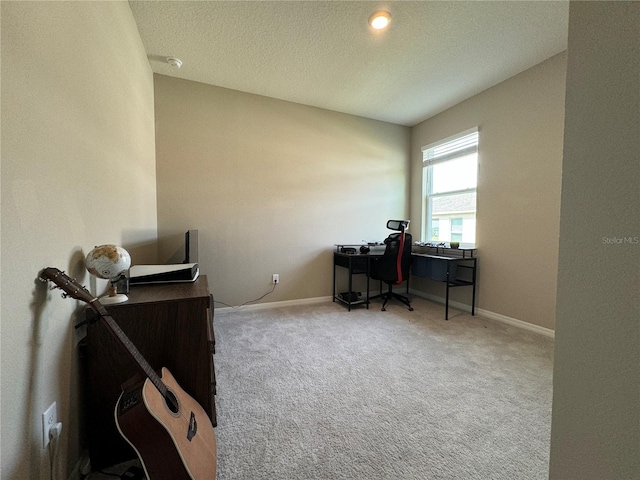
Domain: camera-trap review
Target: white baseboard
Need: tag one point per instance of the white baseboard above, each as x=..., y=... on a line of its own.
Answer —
x=487, y=314
x=284, y=303
x=547, y=332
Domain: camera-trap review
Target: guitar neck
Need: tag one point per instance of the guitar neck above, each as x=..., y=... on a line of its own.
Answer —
x=77, y=291
x=135, y=354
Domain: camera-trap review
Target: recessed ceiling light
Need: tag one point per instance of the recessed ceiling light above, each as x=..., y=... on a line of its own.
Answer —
x=174, y=62
x=380, y=19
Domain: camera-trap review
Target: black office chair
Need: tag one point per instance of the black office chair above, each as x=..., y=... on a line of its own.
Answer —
x=393, y=267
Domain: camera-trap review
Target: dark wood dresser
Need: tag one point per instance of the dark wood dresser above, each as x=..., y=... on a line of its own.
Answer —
x=171, y=324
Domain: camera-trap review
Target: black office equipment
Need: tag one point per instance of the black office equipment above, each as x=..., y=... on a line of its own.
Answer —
x=393, y=267
x=175, y=273
x=351, y=297
x=191, y=246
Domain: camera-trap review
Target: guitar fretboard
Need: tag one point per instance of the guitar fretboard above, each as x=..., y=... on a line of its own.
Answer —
x=115, y=329
x=77, y=291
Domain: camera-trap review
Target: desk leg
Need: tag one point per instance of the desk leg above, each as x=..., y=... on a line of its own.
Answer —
x=473, y=301
x=368, y=263
x=350, y=277
x=334, y=281
x=473, y=298
x=446, y=302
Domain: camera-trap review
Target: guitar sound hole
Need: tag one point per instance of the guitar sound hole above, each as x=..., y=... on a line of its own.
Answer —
x=172, y=402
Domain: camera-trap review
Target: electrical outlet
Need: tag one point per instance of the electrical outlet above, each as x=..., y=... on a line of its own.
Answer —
x=276, y=278
x=49, y=419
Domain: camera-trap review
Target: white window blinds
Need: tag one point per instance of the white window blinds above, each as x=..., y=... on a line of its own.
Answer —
x=448, y=149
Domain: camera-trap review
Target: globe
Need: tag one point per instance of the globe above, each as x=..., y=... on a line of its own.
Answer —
x=108, y=261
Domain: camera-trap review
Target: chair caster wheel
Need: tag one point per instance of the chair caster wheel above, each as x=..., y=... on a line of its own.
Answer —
x=383, y=309
x=411, y=309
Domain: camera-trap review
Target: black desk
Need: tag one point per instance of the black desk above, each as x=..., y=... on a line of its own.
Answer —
x=455, y=267
x=447, y=269
x=356, y=263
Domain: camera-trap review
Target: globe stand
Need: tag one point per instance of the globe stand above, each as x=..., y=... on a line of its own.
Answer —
x=112, y=297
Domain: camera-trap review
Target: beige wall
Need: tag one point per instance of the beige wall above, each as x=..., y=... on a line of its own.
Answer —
x=271, y=186
x=595, y=433
x=78, y=169
x=520, y=124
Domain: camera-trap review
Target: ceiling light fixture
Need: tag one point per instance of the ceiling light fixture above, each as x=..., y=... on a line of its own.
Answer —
x=380, y=19
x=174, y=62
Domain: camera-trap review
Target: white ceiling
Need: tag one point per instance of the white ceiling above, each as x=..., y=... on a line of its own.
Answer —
x=324, y=54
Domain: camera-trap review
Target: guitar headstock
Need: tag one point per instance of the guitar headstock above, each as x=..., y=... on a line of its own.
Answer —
x=68, y=285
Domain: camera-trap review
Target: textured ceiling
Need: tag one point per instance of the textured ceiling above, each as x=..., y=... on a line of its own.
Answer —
x=324, y=54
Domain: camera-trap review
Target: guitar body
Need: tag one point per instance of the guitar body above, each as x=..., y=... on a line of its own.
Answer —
x=172, y=442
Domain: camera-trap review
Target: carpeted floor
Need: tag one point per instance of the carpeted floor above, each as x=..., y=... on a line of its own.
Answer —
x=316, y=392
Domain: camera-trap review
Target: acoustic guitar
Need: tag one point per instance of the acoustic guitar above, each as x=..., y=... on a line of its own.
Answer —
x=169, y=431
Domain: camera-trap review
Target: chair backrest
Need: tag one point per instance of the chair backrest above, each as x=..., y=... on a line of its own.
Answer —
x=394, y=265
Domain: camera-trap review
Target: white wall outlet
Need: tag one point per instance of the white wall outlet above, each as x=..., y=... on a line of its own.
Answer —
x=276, y=278
x=49, y=419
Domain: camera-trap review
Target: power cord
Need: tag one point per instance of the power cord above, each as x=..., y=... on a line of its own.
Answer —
x=54, y=435
x=275, y=284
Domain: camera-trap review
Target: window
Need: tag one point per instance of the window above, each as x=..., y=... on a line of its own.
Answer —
x=456, y=229
x=435, y=229
x=450, y=177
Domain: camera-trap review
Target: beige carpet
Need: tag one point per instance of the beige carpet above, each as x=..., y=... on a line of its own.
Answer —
x=316, y=392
